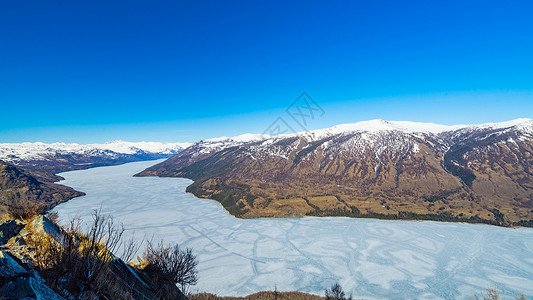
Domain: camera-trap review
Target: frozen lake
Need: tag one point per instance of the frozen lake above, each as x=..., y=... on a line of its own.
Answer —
x=373, y=259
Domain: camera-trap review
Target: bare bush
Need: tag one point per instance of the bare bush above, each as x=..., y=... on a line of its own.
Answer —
x=77, y=261
x=171, y=265
x=336, y=293
x=25, y=211
x=492, y=293
x=53, y=216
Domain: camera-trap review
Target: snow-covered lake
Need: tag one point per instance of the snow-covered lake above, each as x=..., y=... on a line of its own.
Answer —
x=373, y=259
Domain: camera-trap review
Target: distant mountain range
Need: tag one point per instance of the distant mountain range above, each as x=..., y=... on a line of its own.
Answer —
x=27, y=169
x=60, y=157
x=385, y=169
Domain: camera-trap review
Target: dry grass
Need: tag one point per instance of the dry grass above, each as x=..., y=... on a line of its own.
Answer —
x=268, y=295
x=25, y=211
x=327, y=203
x=76, y=261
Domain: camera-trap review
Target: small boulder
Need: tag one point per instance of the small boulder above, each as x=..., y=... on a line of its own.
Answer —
x=28, y=288
x=23, y=233
x=43, y=225
x=17, y=240
x=9, y=267
x=9, y=229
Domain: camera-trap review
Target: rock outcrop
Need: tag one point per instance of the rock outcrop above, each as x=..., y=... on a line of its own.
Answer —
x=20, y=280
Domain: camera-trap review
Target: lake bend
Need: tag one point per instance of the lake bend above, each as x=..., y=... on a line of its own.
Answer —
x=372, y=259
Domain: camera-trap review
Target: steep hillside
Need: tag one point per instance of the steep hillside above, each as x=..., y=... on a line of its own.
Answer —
x=60, y=157
x=20, y=187
x=474, y=173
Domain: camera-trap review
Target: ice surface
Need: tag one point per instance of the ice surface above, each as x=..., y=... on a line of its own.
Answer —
x=373, y=259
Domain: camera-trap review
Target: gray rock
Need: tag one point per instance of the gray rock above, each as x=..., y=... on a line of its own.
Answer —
x=23, y=233
x=9, y=229
x=27, y=288
x=17, y=240
x=9, y=267
x=43, y=225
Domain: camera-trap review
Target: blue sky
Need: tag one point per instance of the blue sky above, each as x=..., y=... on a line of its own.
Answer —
x=94, y=71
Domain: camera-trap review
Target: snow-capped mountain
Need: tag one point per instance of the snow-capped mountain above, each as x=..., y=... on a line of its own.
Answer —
x=377, y=167
x=58, y=157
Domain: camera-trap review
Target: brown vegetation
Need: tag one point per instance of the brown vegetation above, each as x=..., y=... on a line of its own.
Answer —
x=24, y=190
x=267, y=295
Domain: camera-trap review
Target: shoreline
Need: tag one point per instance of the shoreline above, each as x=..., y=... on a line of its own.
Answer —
x=363, y=217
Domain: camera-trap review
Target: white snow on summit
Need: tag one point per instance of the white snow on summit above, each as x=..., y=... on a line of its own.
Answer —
x=379, y=135
x=219, y=143
x=133, y=147
x=373, y=126
x=379, y=125
x=243, y=138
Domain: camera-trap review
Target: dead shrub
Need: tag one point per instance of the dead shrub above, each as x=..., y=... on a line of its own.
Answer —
x=53, y=216
x=492, y=293
x=78, y=262
x=336, y=293
x=25, y=211
x=170, y=265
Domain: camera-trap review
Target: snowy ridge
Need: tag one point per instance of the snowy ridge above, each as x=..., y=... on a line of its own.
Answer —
x=243, y=138
x=217, y=144
x=38, y=150
x=374, y=135
x=380, y=125
x=375, y=126
x=133, y=147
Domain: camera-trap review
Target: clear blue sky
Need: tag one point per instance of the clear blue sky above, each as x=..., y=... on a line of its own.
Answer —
x=93, y=71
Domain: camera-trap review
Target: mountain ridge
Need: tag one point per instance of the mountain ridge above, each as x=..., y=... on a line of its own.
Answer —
x=383, y=168
x=21, y=187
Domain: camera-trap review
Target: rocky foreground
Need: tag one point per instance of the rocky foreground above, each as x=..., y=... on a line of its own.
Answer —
x=22, y=275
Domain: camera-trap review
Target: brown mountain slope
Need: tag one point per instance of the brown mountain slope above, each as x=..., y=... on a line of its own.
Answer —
x=374, y=169
x=25, y=187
